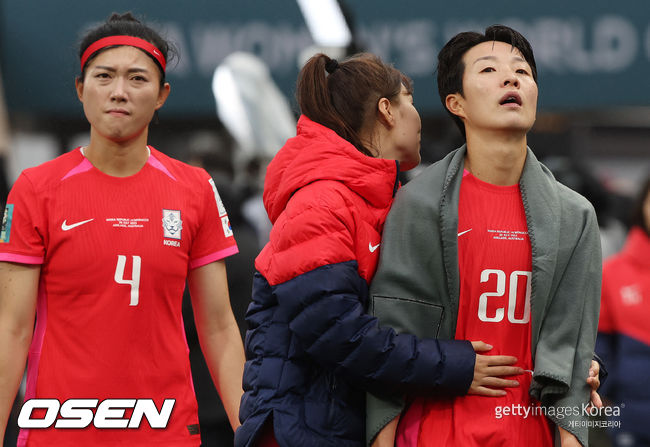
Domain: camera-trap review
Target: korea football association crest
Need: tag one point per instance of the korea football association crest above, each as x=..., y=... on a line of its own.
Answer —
x=172, y=224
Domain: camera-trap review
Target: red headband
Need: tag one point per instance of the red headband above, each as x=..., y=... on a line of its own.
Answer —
x=124, y=40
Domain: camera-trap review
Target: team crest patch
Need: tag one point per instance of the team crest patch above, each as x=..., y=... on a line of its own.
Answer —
x=172, y=224
x=227, y=229
x=5, y=230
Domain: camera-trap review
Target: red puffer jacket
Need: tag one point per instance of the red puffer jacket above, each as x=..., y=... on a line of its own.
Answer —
x=327, y=175
x=312, y=350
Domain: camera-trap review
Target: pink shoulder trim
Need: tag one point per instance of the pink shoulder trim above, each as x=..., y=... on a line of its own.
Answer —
x=84, y=166
x=155, y=163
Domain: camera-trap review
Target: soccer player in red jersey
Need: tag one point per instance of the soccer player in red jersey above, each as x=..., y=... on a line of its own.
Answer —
x=486, y=245
x=623, y=333
x=97, y=245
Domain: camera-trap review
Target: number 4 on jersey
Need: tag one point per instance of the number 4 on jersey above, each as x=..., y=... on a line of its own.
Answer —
x=134, y=282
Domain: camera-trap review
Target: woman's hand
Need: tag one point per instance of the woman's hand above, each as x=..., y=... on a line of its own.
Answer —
x=594, y=382
x=488, y=370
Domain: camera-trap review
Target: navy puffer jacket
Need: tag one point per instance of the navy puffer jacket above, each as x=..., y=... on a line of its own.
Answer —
x=311, y=349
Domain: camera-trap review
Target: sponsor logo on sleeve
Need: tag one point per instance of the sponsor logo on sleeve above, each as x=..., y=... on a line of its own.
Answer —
x=217, y=198
x=5, y=230
x=172, y=224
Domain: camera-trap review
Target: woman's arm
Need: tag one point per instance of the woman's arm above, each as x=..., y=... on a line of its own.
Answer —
x=18, y=292
x=218, y=334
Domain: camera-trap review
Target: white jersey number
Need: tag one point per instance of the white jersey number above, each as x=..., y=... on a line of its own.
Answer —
x=134, y=282
x=512, y=296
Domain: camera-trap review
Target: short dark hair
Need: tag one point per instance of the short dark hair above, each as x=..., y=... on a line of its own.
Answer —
x=125, y=25
x=344, y=97
x=638, y=217
x=450, y=59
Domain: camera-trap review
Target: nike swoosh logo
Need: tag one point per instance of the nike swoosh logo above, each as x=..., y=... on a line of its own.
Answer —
x=66, y=227
x=372, y=248
x=463, y=232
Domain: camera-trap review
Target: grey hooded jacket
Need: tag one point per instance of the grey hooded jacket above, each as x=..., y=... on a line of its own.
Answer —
x=417, y=284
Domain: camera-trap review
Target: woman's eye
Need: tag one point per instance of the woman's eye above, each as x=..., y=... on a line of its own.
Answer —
x=522, y=71
x=487, y=70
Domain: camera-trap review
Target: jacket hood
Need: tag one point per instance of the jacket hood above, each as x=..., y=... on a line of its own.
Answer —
x=319, y=153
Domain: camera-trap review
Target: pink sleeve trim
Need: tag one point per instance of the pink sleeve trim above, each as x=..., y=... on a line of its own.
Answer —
x=21, y=259
x=217, y=256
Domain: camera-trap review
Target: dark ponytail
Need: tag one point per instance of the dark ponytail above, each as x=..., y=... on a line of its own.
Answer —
x=344, y=96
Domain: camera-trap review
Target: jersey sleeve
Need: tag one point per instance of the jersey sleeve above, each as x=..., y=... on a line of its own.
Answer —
x=215, y=239
x=22, y=237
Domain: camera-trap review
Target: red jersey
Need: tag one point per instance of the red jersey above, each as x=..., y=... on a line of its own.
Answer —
x=495, y=264
x=114, y=255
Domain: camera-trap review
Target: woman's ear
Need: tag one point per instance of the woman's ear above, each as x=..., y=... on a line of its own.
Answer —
x=79, y=85
x=455, y=104
x=385, y=112
x=163, y=94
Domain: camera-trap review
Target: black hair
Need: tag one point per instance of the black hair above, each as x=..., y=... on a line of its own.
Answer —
x=125, y=25
x=638, y=216
x=450, y=60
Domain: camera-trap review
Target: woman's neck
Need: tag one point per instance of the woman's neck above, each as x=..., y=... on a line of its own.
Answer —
x=496, y=158
x=117, y=159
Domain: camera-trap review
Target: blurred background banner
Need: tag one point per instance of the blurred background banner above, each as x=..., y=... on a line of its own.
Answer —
x=590, y=53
